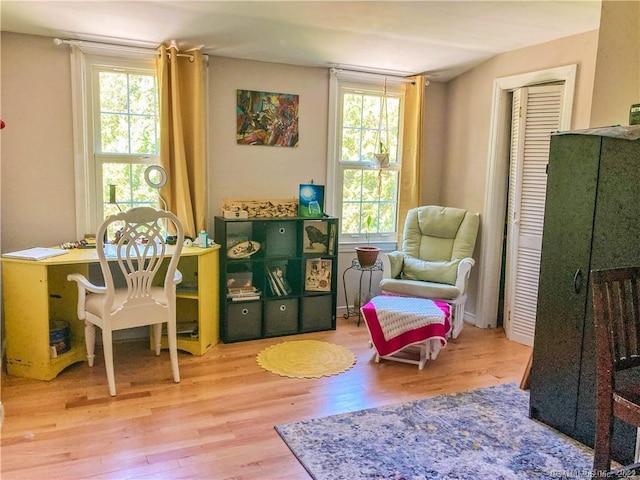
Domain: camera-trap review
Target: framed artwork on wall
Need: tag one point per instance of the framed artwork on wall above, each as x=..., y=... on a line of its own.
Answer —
x=267, y=118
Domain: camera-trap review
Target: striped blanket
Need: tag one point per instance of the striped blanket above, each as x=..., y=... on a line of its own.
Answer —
x=394, y=323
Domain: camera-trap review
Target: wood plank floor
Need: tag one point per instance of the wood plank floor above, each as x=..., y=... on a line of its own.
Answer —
x=218, y=422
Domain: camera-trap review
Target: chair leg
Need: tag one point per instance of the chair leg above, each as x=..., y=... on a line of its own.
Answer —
x=458, y=319
x=107, y=345
x=602, y=444
x=157, y=337
x=90, y=341
x=173, y=350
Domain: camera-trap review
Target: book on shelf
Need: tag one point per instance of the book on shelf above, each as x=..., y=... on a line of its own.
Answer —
x=237, y=294
x=332, y=239
x=37, y=253
x=246, y=298
x=278, y=284
x=187, y=328
x=318, y=275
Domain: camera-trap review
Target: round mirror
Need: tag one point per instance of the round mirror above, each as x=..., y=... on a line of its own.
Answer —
x=155, y=176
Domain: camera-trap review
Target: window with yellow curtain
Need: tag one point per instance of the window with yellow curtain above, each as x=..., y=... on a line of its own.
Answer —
x=367, y=121
x=116, y=132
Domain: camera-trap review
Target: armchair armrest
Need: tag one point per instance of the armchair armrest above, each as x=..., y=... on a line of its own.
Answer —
x=84, y=286
x=464, y=269
x=392, y=264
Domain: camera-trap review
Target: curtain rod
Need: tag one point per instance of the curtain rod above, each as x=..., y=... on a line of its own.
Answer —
x=380, y=76
x=122, y=48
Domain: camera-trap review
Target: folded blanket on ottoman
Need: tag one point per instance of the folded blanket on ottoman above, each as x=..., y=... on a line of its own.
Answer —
x=395, y=323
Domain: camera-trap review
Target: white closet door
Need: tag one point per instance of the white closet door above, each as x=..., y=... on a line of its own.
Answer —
x=536, y=114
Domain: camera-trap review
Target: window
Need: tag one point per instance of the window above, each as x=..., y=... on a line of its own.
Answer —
x=361, y=123
x=125, y=113
x=117, y=132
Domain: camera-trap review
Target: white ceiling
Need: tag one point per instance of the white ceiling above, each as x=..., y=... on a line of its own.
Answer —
x=439, y=38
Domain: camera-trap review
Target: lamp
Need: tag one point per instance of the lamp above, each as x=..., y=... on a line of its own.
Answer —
x=156, y=177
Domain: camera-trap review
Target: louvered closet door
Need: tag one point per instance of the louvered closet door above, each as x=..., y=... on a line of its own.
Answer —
x=536, y=114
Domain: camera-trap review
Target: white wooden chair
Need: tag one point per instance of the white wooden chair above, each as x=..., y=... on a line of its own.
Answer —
x=139, y=254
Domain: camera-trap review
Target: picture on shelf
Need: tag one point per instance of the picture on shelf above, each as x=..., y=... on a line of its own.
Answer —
x=239, y=279
x=318, y=275
x=315, y=236
x=311, y=201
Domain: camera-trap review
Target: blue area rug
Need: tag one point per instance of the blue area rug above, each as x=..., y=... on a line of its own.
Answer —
x=475, y=435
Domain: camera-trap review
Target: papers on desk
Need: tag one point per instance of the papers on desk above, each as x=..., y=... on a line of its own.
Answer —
x=37, y=253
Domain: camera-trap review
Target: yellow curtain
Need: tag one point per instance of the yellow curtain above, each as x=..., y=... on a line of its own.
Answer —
x=182, y=136
x=410, y=194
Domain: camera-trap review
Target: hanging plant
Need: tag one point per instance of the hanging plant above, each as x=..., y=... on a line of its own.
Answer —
x=382, y=155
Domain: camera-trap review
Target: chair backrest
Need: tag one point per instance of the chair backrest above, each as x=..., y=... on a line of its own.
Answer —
x=616, y=305
x=435, y=233
x=140, y=248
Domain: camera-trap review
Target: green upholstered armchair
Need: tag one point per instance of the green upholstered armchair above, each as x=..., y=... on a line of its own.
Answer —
x=435, y=260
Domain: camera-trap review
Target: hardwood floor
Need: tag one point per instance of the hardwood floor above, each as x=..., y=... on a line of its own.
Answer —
x=218, y=422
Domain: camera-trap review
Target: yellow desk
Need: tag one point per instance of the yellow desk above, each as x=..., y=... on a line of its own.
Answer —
x=36, y=291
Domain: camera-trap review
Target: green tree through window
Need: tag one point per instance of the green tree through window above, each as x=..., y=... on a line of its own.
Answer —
x=366, y=189
x=128, y=135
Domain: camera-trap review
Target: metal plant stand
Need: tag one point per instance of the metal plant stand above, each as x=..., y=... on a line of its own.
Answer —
x=355, y=265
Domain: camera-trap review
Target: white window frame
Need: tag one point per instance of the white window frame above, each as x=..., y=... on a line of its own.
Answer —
x=338, y=81
x=88, y=178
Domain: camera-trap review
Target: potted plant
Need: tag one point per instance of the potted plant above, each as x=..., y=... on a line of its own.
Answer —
x=367, y=255
x=382, y=157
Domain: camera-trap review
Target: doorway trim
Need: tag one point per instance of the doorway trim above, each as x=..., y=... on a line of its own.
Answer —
x=495, y=201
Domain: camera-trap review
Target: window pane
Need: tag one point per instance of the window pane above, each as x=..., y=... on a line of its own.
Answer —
x=351, y=145
x=368, y=123
x=143, y=135
x=117, y=174
x=114, y=133
x=141, y=193
x=369, y=209
x=369, y=145
x=389, y=185
x=142, y=94
x=369, y=185
x=350, y=221
x=387, y=220
x=128, y=113
x=131, y=190
x=352, y=108
x=371, y=112
x=352, y=184
x=113, y=92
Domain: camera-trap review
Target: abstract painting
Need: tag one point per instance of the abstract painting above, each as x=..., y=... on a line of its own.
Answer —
x=265, y=118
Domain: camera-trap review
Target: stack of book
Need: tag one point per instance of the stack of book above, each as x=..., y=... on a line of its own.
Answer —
x=277, y=282
x=237, y=294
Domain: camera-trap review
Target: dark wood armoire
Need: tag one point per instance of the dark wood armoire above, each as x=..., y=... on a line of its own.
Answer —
x=592, y=221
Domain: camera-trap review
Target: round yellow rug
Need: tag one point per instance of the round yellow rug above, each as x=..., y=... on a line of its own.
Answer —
x=306, y=359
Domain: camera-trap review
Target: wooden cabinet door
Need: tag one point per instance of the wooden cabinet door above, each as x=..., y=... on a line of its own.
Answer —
x=564, y=269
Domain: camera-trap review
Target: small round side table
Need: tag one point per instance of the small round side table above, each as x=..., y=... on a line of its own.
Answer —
x=355, y=265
